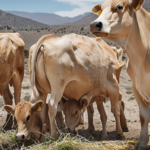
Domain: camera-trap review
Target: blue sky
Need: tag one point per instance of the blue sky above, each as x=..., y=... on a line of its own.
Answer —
x=68, y=8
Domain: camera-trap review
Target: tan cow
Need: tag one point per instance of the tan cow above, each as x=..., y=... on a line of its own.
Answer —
x=72, y=66
x=72, y=106
x=128, y=24
x=75, y=107
x=11, y=68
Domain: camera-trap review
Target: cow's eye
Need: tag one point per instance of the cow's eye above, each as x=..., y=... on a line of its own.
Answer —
x=76, y=112
x=28, y=118
x=120, y=7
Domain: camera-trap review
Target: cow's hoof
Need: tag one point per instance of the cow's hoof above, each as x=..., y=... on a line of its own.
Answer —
x=104, y=138
x=91, y=131
x=137, y=147
x=55, y=137
x=64, y=130
x=125, y=129
x=120, y=137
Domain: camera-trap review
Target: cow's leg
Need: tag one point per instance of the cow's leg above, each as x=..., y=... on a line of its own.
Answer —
x=122, y=117
x=43, y=97
x=60, y=121
x=90, y=112
x=17, y=87
x=7, y=97
x=103, y=117
x=116, y=111
x=17, y=90
x=56, y=96
x=144, y=112
x=47, y=121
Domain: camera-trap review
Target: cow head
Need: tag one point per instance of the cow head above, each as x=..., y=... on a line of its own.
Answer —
x=115, y=18
x=28, y=118
x=73, y=111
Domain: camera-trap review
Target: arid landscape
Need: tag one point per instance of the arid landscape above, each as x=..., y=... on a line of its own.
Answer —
x=31, y=34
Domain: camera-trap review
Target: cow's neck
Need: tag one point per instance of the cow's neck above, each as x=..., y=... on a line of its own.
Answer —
x=138, y=42
x=138, y=51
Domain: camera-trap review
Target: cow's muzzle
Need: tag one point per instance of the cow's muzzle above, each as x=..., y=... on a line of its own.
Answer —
x=20, y=136
x=96, y=26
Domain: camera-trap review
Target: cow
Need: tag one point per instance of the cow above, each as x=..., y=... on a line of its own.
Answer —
x=71, y=106
x=128, y=24
x=11, y=69
x=72, y=66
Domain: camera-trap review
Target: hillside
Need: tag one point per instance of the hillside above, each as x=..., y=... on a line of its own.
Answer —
x=47, y=18
x=13, y=21
x=87, y=19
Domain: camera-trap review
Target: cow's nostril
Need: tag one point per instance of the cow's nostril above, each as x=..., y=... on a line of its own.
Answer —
x=99, y=26
x=23, y=136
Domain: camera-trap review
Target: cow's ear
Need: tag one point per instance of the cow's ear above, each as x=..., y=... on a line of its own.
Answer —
x=83, y=104
x=136, y=4
x=37, y=106
x=97, y=9
x=10, y=109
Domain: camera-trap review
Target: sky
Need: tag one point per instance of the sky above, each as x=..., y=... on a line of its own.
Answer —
x=70, y=8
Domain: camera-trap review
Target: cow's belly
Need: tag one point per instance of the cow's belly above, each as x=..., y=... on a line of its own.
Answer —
x=75, y=90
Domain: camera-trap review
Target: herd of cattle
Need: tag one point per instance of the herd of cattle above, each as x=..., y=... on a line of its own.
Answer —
x=77, y=71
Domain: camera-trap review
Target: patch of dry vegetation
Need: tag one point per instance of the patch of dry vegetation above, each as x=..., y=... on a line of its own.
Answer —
x=65, y=142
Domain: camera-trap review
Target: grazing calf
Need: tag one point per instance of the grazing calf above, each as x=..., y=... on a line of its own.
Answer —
x=29, y=119
x=73, y=110
x=11, y=69
x=128, y=24
x=74, y=65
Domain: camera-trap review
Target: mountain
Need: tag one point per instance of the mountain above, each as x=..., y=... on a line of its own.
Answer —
x=47, y=18
x=13, y=21
x=16, y=20
x=87, y=19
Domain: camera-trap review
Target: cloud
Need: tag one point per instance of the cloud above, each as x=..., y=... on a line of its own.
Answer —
x=81, y=6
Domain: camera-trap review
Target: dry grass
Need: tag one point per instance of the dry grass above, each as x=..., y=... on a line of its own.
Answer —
x=65, y=142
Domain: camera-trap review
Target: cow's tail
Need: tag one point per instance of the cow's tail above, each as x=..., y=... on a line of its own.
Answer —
x=33, y=60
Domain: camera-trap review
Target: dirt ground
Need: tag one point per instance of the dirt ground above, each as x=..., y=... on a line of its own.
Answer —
x=131, y=109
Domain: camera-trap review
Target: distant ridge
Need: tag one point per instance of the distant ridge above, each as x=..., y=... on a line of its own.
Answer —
x=13, y=21
x=87, y=19
x=48, y=18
